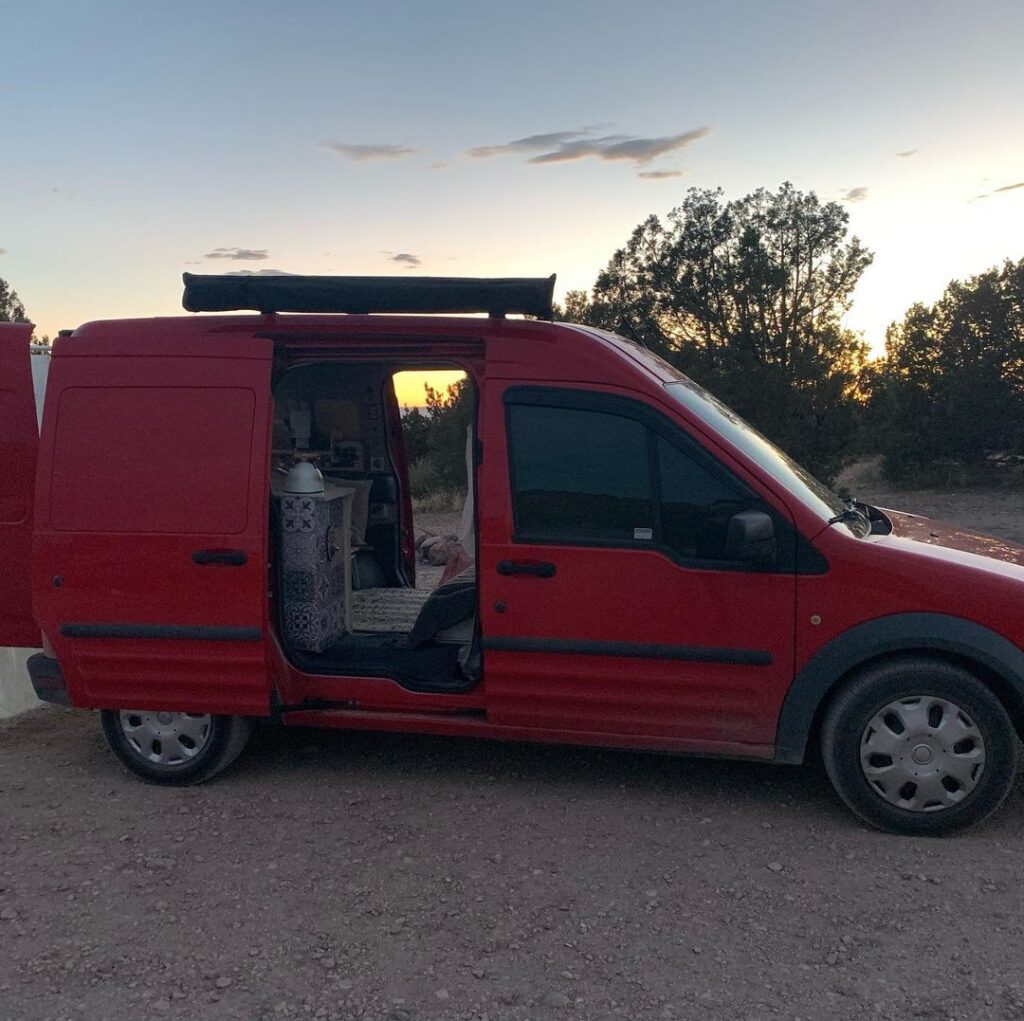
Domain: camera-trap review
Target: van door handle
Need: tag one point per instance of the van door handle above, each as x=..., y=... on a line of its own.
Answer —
x=220, y=557
x=538, y=568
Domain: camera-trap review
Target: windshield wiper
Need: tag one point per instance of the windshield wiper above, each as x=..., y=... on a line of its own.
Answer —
x=852, y=513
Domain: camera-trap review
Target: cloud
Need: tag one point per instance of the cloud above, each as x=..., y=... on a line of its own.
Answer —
x=238, y=254
x=855, y=194
x=531, y=143
x=361, y=152
x=566, y=146
x=3, y=251
x=906, y=153
x=406, y=259
x=259, y=273
x=997, y=191
x=437, y=166
x=659, y=175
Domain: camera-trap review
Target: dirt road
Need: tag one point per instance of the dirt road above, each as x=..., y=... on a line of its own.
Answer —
x=356, y=876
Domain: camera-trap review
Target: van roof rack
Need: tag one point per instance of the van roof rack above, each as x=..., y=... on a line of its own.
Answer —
x=497, y=296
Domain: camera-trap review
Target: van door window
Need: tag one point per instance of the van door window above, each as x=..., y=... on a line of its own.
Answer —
x=583, y=476
x=695, y=505
x=580, y=476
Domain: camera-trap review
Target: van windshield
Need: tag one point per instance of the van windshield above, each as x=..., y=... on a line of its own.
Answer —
x=762, y=451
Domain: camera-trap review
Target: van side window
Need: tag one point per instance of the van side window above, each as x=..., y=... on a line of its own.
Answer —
x=596, y=478
x=695, y=505
x=581, y=476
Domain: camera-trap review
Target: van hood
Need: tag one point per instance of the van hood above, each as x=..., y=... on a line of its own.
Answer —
x=939, y=533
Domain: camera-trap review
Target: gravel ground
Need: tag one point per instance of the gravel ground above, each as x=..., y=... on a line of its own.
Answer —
x=345, y=876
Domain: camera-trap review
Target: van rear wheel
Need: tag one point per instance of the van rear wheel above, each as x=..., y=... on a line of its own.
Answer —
x=919, y=747
x=174, y=748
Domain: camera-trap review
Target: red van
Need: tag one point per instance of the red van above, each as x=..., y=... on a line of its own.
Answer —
x=214, y=525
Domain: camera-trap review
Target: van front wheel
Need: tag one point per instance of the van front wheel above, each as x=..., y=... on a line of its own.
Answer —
x=174, y=748
x=919, y=747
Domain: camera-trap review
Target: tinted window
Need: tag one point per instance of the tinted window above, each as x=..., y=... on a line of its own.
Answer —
x=695, y=505
x=589, y=476
x=579, y=475
x=763, y=452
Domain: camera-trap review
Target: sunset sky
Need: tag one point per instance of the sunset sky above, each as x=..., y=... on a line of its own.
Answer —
x=143, y=138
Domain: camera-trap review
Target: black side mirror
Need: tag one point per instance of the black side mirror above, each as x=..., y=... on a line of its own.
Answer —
x=750, y=538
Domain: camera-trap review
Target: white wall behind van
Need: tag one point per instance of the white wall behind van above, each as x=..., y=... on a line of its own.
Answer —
x=16, y=693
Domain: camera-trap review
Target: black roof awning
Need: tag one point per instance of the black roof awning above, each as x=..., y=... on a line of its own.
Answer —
x=362, y=295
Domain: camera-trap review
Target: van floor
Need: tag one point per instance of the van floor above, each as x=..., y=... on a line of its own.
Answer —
x=377, y=646
x=387, y=609
x=430, y=667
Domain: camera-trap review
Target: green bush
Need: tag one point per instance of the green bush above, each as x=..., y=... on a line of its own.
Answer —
x=435, y=443
x=424, y=478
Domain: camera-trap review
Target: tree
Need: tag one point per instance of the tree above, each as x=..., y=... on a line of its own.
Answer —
x=451, y=413
x=11, y=308
x=416, y=434
x=747, y=297
x=951, y=387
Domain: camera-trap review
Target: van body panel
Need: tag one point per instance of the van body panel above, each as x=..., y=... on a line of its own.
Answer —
x=882, y=576
x=19, y=447
x=149, y=465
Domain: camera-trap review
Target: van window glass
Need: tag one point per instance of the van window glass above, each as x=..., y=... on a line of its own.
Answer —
x=582, y=476
x=586, y=476
x=152, y=459
x=710, y=410
x=695, y=505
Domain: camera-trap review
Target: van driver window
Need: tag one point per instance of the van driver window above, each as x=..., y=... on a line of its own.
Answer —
x=581, y=476
x=590, y=477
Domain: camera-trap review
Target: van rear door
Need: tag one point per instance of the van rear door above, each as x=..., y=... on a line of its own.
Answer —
x=151, y=519
x=19, y=448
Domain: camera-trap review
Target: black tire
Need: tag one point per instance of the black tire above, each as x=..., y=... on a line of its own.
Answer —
x=223, y=738
x=859, y=720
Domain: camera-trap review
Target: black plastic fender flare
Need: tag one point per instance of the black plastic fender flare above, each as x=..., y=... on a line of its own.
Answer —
x=902, y=632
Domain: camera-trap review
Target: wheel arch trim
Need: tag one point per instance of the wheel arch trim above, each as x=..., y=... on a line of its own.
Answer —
x=903, y=632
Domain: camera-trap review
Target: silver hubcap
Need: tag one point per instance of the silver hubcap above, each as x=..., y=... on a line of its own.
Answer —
x=166, y=739
x=922, y=753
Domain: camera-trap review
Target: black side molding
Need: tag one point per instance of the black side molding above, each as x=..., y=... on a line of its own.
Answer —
x=631, y=650
x=176, y=632
x=47, y=679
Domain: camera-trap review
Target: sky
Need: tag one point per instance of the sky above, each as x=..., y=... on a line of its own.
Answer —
x=142, y=139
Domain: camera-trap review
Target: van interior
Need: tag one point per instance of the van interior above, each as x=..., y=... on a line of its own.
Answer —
x=343, y=572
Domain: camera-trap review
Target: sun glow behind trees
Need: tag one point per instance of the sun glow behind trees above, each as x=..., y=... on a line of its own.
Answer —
x=410, y=386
